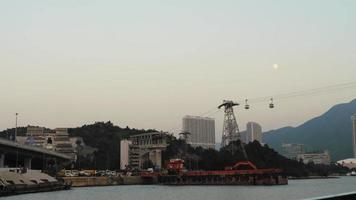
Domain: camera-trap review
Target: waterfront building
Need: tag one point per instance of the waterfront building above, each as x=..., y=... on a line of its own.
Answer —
x=253, y=132
x=316, y=158
x=144, y=150
x=201, y=129
x=291, y=151
x=354, y=134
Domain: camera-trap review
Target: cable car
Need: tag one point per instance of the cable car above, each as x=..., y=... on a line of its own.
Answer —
x=246, y=105
x=271, y=105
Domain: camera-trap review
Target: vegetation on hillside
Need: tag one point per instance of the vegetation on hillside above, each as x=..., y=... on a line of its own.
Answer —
x=105, y=137
x=261, y=156
x=331, y=131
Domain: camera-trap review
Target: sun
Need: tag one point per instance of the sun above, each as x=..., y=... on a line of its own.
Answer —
x=275, y=66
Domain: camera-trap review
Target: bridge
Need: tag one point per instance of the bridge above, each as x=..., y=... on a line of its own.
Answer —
x=13, y=154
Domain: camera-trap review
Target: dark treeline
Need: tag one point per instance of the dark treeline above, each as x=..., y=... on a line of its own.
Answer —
x=10, y=133
x=105, y=138
x=261, y=156
x=103, y=141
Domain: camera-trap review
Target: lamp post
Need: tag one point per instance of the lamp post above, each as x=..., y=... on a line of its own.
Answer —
x=16, y=127
x=15, y=139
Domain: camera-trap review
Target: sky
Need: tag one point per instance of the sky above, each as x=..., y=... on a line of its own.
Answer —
x=146, y=64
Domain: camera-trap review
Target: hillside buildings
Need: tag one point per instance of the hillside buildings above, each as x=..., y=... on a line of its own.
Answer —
x=354, y=134
x=316, y=158
x=291, y=150
x=201, y=129
x=296, y=152
x=57, y=140
x=143, y=151
x=253, y=132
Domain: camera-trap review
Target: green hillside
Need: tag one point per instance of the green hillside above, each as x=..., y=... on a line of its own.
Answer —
x=331, y=131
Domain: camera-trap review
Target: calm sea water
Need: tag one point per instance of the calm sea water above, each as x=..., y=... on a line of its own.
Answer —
x=297, y=189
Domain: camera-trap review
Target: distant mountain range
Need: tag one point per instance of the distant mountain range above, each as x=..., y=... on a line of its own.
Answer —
x=331, y=131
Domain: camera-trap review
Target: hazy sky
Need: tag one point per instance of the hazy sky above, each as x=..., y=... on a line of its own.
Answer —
x=146, y=64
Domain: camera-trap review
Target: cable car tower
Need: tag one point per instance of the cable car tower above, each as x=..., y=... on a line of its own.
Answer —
x=231, y=130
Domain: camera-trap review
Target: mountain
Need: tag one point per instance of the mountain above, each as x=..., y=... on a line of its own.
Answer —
x=331, y=131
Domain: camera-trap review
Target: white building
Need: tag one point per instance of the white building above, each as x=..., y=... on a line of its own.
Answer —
x=142, y=151
x=253, y=132
x=201, y=129
x=354, y=134
x=316, y=158
x=124, y=153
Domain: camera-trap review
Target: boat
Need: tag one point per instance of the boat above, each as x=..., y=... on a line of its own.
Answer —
x=242, y=173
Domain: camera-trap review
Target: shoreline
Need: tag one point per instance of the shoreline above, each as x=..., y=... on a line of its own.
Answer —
x=313, y=177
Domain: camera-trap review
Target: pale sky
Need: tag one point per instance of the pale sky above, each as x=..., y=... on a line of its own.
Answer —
x=146, y=64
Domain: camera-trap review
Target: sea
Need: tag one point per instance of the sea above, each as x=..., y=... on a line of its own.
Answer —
x=296, y=189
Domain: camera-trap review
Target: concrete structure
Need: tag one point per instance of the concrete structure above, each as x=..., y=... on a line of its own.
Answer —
x=35, y=136
x=201, y=129
x=30, y=177
x=62, y=143
x=349, y=163
x=13, y=154
x=291, y=151
x=254, y=132
x=57, y=140
x=124, y=153
x=144, y=148
x=354, y=134
x=316, y=158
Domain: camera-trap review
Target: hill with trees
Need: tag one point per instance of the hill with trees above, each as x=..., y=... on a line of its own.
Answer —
x=331, y=131
x=261, y=156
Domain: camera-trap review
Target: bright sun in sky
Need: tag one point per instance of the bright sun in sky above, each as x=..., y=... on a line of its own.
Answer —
x=275, y=66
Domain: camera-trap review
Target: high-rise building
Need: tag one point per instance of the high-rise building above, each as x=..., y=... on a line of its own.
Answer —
x=201, y=129
x=254, y=132
x=354, y=134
